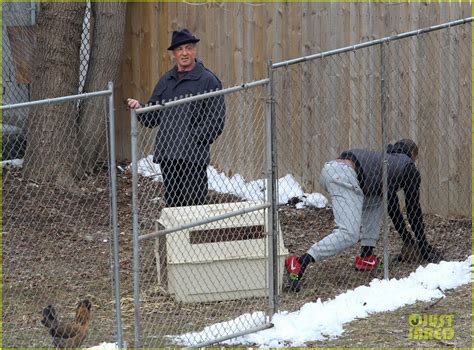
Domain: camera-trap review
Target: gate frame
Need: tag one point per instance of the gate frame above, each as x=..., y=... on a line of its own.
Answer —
x=268, y=205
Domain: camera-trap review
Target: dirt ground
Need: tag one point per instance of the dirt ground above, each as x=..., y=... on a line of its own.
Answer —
x=57, y=250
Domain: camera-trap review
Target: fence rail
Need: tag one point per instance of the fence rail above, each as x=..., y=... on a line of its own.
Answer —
x=372, y=43
x=56, y=100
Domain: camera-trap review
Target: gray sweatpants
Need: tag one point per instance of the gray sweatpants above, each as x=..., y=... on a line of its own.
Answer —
x=357, y=217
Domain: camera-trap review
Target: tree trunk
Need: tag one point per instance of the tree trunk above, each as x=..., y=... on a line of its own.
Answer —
x=52, y=130
x=104, y=65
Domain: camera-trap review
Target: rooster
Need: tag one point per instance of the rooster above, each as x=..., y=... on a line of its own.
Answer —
x=68, y=335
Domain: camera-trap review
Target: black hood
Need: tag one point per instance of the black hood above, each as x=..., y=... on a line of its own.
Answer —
x=402, y=146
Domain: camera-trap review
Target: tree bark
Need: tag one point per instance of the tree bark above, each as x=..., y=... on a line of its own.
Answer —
x=104, y=65
x=52, y=130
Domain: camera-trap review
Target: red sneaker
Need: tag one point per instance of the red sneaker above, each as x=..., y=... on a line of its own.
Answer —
x=293, y=269
x=366, y=264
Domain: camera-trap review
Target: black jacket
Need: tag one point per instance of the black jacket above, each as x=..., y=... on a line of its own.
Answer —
x=402, y=175
x=186, y=131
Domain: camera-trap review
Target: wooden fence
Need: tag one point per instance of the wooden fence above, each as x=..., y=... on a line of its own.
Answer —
x=238, y=40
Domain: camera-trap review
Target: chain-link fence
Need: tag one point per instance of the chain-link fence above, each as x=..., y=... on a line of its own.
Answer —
x=413, y=86
x=18, y=53
x=202, y=257
x=207, y=245
x=361, y=99
x=56, y=215
x=18, y=42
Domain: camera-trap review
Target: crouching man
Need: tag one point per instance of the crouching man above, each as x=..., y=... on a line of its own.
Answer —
x=355, y=184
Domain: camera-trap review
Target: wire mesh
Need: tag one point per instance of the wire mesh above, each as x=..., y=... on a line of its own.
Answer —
x=324, y=107
x=18, y=54
x=56, y=215
x=414, y=88
x=214, y=272
x=428, y=99
x=56, y=198
x=53, y=209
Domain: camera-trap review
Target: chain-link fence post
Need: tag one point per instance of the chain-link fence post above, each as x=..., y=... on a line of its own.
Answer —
x=272, y=222
x=114, y=218
x=383, y=115
x=136, y=247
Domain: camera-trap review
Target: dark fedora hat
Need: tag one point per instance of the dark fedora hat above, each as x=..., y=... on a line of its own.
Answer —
x=181, y=37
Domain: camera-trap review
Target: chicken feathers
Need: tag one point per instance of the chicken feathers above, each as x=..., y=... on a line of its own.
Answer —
x=68, y=335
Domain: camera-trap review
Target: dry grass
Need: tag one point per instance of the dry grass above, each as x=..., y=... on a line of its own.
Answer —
x=54, y=252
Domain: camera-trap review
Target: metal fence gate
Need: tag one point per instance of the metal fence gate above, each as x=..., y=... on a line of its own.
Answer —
x=196, y=265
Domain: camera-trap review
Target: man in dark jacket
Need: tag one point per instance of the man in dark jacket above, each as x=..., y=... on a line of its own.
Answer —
x=185, y=131
x=355, y=183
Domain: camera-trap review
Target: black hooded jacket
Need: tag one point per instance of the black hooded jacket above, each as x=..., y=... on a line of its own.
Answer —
x=402, y=175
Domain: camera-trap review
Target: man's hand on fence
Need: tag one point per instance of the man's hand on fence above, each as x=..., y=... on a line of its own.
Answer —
x=132, y=103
